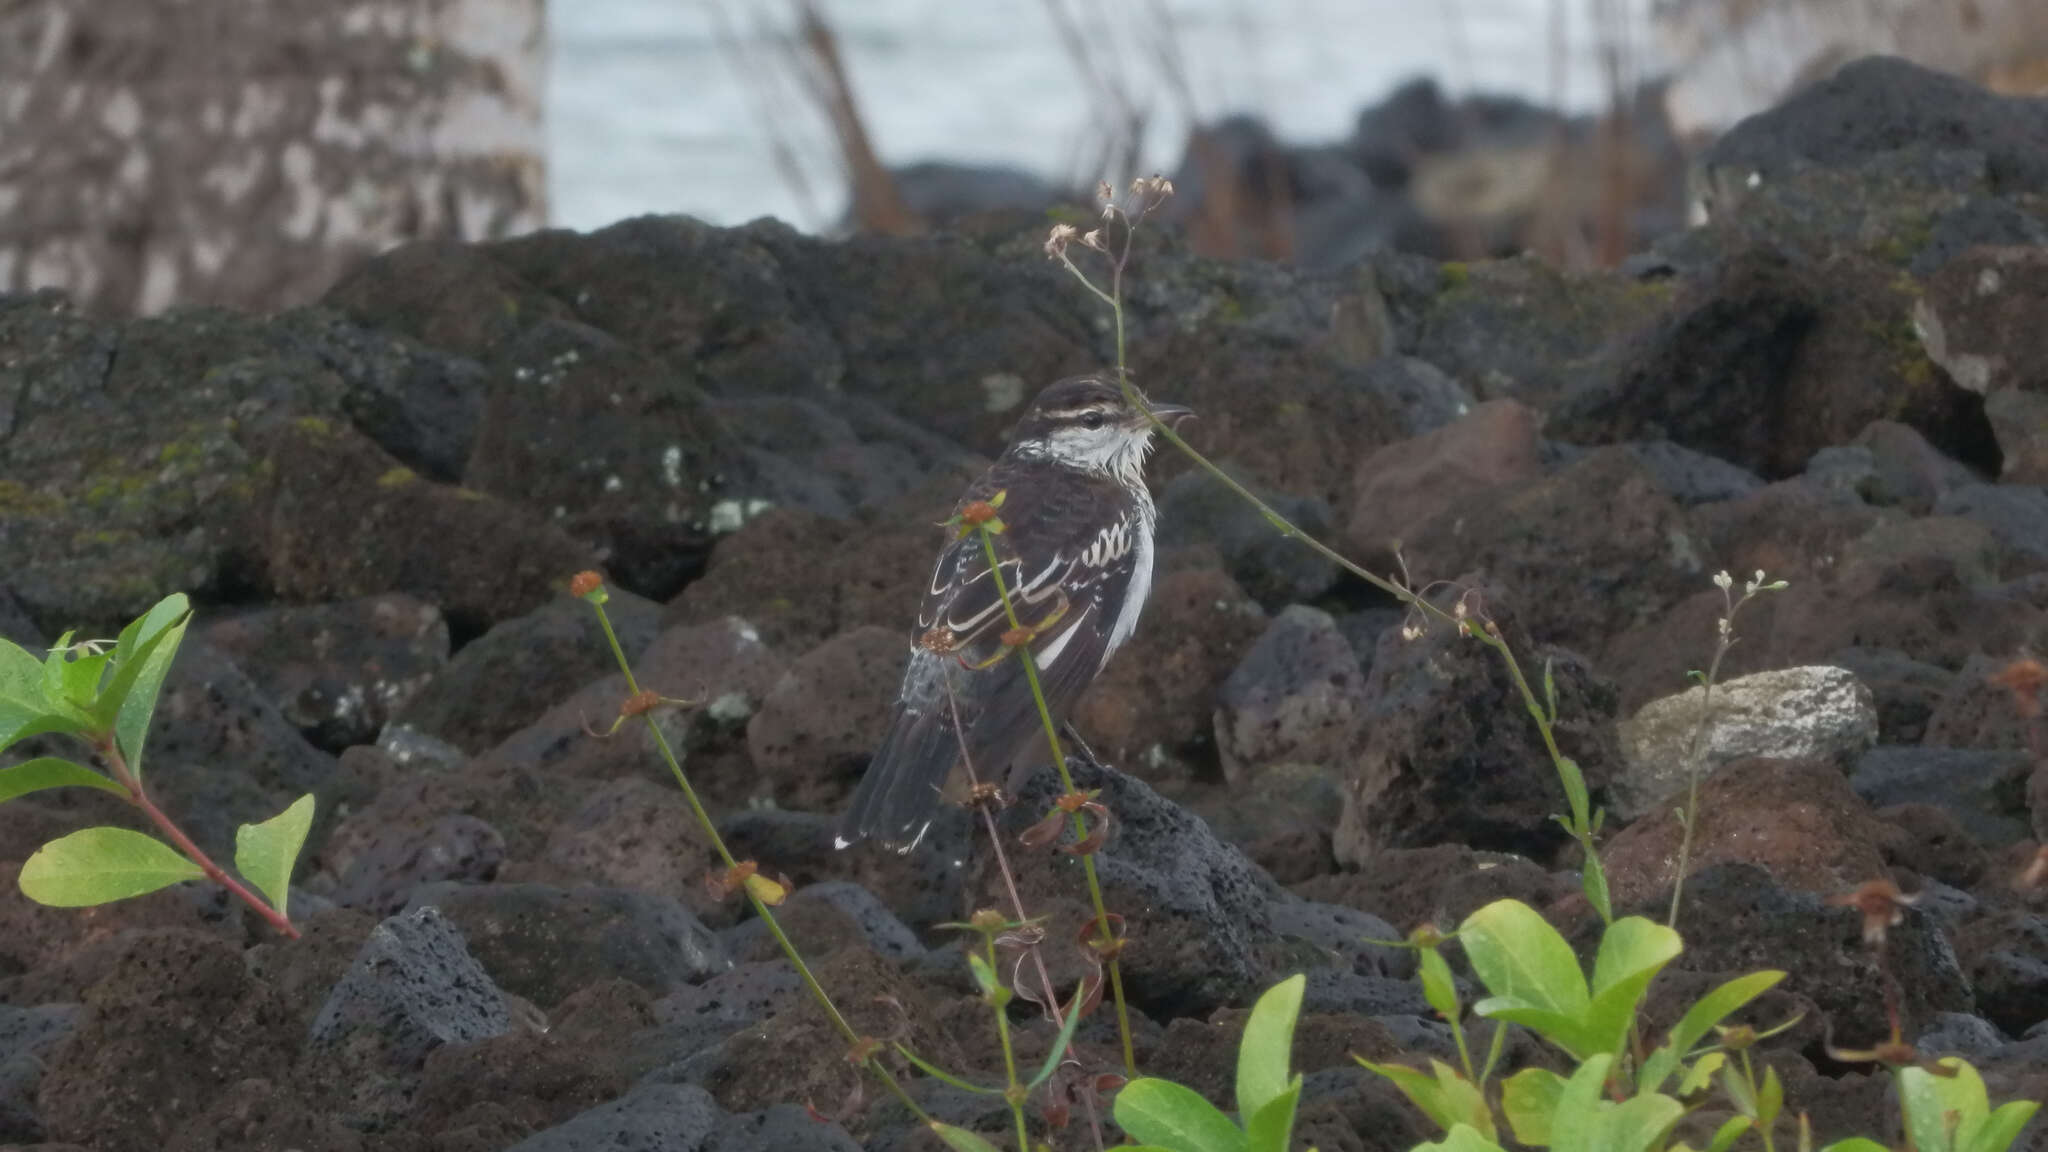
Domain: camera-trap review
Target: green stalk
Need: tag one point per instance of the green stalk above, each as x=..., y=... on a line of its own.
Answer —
x=1581, y=822
x=1694, y=751
x=1059, y=760
x=761, y=909
x=1013, y=1094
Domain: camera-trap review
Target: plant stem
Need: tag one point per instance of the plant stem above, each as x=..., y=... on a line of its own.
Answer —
x=117, y=765
x=1581, y=826
x=1059, y=760
x=1464, y=1053
x=761, y=909
x=995, y=841
x=1013, y=1093
x=1689, y=819
x=1749, y=1074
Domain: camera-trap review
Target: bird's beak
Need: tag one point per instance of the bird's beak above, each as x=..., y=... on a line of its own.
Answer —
x=1170, y=414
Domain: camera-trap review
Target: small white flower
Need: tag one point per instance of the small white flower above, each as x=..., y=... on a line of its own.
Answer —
x=1723, y=580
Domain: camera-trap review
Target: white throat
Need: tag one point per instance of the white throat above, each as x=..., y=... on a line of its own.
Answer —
x=1113, y=452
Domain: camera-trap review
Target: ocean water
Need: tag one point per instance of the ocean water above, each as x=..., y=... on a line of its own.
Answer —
x=695, y=106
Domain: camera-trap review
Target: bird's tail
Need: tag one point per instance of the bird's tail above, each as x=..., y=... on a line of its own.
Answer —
x=899, y=794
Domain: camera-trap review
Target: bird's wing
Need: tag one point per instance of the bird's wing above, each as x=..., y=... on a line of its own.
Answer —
x=1067, y=588
x=1067, y=572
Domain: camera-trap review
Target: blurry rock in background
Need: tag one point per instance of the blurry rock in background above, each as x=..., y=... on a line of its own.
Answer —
x=156, y=154
x=1734, y=58
x=1456, y=179
x=1475, y=176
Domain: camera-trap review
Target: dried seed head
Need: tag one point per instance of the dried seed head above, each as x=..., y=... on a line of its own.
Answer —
x=988, y=920
x=1044, y=832
x=1093, y=239
x=2024, y=678
x=584, y=583
x=1057, y=240
x=2034, y=873
x=1103, y=192
x=1882, y=904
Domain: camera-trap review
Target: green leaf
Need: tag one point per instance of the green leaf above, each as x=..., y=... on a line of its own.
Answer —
x=1572, y=1114
x=938, y=1073
x=139, y=671
x=1632, y=951
x=1529, y=1098
x=1593, y=881
x=1770, y=1099
x=2000, y=1130
x=265, y=853
x=1437, y=986
x=101, y=865
x=984, y=974
x=1702, y=1073
x=1574, y=1123
x=1521, y=958
x=1636, y=1125
x=1461, y=1139
x=1059, y=1044
x=1445, y=1097
x=1567, y=1032
x=1963, y=1100
x=1920, y=1095
x=1575, y=792
x=51, y=772
x=1729, y=1132
x=136, y=642
x=1162, y=1112
x=72, y=682
x=1272, y=1127
x=1856, y=1144
x=1962, y=1090
x=1739, y=1093
x=960, y=1139
x=1699, y=1020
x=1262, y=1056
x=25, y=708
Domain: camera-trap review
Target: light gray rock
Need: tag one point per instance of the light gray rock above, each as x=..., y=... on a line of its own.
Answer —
x=412, y=988
x=1297, y=696
x=1792, y=713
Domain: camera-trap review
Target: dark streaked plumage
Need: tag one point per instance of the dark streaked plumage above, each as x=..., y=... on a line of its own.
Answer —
x=1077, y=542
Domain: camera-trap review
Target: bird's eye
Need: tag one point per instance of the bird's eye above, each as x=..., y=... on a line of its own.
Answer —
x=1092, y=420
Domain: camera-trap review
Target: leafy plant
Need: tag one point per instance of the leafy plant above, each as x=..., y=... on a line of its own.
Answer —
x=1613, y=1101
x=104, y=694
x=1623, y=1096
x=1167, y=1117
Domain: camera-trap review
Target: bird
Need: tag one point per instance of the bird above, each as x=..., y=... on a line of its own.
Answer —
x=1074, y=553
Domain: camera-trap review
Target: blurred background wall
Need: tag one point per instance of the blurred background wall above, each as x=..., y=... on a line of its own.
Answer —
x=160, y=152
